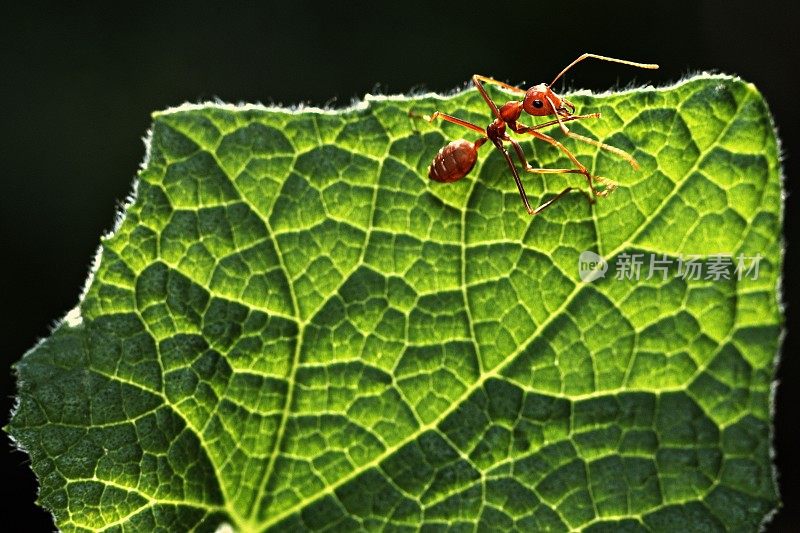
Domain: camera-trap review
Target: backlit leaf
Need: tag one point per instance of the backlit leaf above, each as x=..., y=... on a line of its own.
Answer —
x=293, y=328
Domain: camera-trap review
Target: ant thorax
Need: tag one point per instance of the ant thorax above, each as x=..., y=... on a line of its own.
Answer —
x=511, y=111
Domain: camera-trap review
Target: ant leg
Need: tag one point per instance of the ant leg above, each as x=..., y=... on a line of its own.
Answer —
x=449, y=118
x=614, y=150
x=476, y=79
x=527, y=129
x=501, y=148
x=546, y=138
x=602, y=186
x=551, y=201
x=619, y=152
x=560, y=122
x=520, y=153
x=565, y=119
x=605, y=185
x=487, y=79
x=528, y=168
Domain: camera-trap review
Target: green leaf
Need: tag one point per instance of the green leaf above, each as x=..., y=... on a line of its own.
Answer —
x=293, y=328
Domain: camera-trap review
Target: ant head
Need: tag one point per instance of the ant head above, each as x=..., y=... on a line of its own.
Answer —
x=541, y=101
x=536, y=101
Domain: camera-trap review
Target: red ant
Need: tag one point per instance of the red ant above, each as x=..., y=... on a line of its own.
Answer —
x=457, y=159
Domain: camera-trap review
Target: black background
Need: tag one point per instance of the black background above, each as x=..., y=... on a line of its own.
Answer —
x=78, y=84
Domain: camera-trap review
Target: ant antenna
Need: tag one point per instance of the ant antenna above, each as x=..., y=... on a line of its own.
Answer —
x=603, y=58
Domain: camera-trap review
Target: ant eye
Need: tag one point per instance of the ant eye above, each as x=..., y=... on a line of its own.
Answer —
x=537, y=104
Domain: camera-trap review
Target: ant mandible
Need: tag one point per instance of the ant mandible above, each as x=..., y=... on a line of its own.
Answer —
x=457, y=159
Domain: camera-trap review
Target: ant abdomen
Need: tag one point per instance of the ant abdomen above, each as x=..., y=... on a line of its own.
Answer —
x=453, y=162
